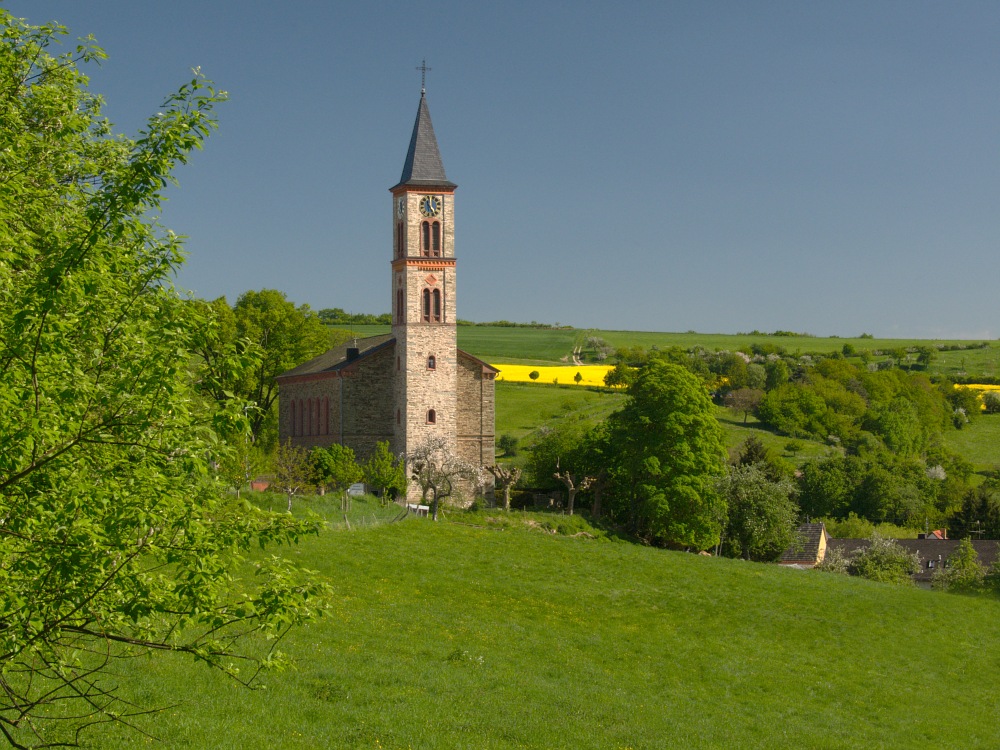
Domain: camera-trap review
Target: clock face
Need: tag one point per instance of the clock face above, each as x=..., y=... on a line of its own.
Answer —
x=430, y=205
x=401, y=207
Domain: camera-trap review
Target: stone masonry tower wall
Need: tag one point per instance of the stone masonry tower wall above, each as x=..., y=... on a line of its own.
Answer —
x=424, y=296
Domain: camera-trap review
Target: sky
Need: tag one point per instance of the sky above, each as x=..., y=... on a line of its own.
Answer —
x=721, y=167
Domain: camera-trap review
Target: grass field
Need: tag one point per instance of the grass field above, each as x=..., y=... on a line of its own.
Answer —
x=978, y=442
x=462, y=636
x=524, y=408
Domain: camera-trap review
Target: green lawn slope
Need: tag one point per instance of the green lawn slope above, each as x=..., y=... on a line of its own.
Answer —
x=460, y=635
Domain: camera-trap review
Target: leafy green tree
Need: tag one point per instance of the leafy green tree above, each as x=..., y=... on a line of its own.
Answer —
x=115, y=540
x=334, y=466
x=899, y=426
x=668, y=450
x=826, y=488
x=744, y=401
x=761, y=516
x=555, y=447
x=384, y=472
x=885, y=561
x=964, y=574
x=285, y=336
x=620, y=376
x=795, y=410
x=270, y=335
x=979, y=514
x=533, y=375
x=778, y=373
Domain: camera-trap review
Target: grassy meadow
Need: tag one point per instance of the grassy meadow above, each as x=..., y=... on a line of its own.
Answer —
x=470, y=634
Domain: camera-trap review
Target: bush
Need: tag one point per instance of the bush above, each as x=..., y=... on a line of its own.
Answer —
x=991, y=402
x=964, y=574
x=884, y=561
x=507, y=444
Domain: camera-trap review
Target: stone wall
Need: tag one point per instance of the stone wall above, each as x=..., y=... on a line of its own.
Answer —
x=355, y=406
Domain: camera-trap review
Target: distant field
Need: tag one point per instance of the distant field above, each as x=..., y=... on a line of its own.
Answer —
x=539, y=346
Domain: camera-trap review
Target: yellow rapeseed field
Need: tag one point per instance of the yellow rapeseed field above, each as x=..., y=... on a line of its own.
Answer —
x=563, y=374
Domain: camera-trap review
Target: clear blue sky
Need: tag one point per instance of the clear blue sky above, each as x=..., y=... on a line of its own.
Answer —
x=831, y=168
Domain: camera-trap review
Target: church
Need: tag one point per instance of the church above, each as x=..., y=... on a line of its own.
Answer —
x=414, y=383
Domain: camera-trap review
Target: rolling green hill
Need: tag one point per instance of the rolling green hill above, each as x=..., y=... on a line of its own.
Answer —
x=460, y=635
x=552, y=345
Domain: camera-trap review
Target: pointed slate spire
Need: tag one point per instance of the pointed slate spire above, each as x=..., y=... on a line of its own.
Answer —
x=423, y=166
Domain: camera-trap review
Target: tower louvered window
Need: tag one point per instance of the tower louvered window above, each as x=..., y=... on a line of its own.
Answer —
x=427, y=305
x=437, y=305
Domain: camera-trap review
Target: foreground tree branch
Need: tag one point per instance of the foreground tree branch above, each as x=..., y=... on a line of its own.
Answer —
x=115, y=539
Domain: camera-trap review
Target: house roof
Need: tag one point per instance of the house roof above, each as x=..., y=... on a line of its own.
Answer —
x=423, y=166
x=336, y=359
x=805, y=550
x=934, y=549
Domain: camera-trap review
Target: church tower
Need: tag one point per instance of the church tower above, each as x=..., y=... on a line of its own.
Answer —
x=423, y=294
x=413, y=384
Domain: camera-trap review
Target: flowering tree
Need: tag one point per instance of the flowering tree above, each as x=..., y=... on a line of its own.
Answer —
x=436, y=469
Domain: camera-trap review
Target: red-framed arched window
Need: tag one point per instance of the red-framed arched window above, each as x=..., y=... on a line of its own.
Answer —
x=427, y=305
x=436, y=239
x=431, y=363
x=431, y=416
x=400, y=239
x=425, y=238
x=400, y=311
x=437, y=305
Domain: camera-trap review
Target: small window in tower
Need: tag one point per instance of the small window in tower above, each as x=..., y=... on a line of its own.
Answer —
x=431, y=417
x=400, y=312
x=399, y=240
x=436, y=246
x=427, y=305
x=431, y=363
x=437, y=305
x=425, y=238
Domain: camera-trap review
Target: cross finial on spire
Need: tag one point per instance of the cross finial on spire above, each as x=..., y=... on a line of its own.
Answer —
x=423, y=76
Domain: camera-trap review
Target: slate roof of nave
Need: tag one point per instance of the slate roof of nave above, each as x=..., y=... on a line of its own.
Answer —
x=423, y=165
x=336, y=358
